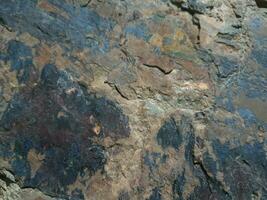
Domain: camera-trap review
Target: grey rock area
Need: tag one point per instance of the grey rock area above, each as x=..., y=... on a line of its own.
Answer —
x=133, y=100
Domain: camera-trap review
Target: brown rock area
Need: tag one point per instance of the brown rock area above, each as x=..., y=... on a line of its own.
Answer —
x=133, y=100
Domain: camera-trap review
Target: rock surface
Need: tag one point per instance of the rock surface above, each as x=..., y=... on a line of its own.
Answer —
x=132, y=99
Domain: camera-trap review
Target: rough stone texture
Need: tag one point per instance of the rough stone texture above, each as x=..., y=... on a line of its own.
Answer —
x=131, y=99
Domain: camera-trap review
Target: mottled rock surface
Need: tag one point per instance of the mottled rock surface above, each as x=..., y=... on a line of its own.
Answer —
x=130, y=99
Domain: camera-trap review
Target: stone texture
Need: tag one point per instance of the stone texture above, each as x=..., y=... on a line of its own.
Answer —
x=150, y=100
x=262, y=3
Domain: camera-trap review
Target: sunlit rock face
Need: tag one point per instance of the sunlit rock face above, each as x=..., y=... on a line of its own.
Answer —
x=150, y=100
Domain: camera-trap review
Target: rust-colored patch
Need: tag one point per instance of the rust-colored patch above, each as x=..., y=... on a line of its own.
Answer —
x=82, y=55
x=28, y=39
x=256, y=105
x=97, y=129
x=96, y=126
x=156, y=40
x=58, y=58
x=39, y=198
x=46, y=54
x=161, y=28
x=44, y=5
x=35, y=160
x=8, y=81
x=198, y=72
x=143, y=51
x=43, y=56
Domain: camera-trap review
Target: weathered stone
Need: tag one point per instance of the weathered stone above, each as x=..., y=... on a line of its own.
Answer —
x=58, y=119
x=226, y=67
x=261, y=3
x=155, y=194
x=169, y=135
x=133, y=99
x=198, y=6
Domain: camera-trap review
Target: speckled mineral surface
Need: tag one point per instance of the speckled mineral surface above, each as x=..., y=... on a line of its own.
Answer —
x=133, y=99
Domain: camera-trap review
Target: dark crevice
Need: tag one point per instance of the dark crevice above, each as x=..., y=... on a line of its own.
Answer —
x=86, y=4
x=246, y=162
x=206, y=174
x=190, y=11
x=4, y=24
x=42, y=30
x=4, y=178
x=128, y=57
x=227, y=36
x=114, y=145
x=230, y=45
x=261, y=3
x=211, y=181
x=159, y=68
x=117, y=89
x=177, y=3
x=197, y=24
x=122, y=95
